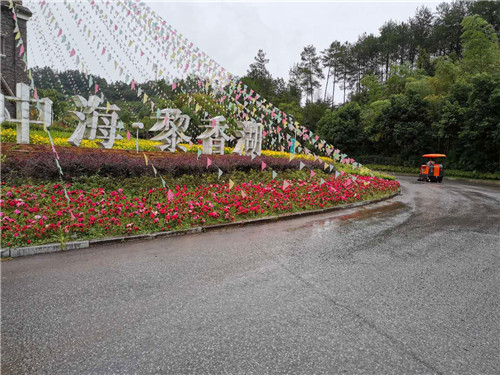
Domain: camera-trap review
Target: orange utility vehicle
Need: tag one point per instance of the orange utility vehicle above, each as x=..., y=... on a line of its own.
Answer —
x=431, y=171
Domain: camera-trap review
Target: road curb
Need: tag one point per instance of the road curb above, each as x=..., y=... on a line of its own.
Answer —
x=75, y=245
x=446, y=177
x=43, y=249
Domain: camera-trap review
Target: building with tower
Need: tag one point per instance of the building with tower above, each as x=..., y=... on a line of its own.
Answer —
x=12, y=68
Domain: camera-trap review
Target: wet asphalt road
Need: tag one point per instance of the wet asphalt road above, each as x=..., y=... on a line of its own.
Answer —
x=407, y=286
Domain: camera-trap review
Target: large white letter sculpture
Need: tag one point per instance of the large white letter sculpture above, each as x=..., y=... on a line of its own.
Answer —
x=214, y=137
x=250, y=142
x=22, y=100
x=172, y=124
x=90, y=120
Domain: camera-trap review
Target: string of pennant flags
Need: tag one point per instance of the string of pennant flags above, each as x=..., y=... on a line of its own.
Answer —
x=23, y=55
x=145, y=94
x=244, y=108
x=128, y=134
x=260, y=106
x=134, y=20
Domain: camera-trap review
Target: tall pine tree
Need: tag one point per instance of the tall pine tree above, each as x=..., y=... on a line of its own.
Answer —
x=310, y=71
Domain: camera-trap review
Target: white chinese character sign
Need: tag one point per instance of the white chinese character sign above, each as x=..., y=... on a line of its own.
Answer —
x=95, y=122
x=213, y=137
x=250, y=142
x=172, y=124
x=23, y=101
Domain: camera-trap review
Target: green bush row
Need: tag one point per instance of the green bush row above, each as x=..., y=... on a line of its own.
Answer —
x=447, y=172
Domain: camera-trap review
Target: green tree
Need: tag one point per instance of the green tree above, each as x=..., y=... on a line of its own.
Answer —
x=293, y=86
x=364, y=59
x=313, y=112
x=370, y=118
x=258, y=68
x=419, y=85
x=448, y=127
x=342, y=128
x=373, y=87
x=447, y=28
x=480, y=44
x=310, y=71
x=60, y=105
x=424, y=61
x=447, y=73
x=420, y=30
x=488, y=10
x=389, y=44
x=345, y=64
x=329, y=59
x=479, y=138
x=396, y=83
x=370, y=90
x=259, y=78
x=405, y=127
x=292, y=108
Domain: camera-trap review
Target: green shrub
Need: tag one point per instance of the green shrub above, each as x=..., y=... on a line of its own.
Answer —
x=447, y=172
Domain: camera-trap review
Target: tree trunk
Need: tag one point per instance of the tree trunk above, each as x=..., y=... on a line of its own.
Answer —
x=311, y=80
x=326, y=85
x=359, y=78
x=344, y=84
x=312, y=90
x=386, y=66
x=333, y=91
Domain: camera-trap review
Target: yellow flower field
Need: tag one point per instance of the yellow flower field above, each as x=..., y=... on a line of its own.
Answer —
x=9, y=135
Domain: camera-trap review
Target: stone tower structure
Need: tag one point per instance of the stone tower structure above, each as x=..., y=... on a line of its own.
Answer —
x=12, y=68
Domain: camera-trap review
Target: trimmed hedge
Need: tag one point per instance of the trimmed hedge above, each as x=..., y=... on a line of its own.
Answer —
x=41, y=165
x=447, y=172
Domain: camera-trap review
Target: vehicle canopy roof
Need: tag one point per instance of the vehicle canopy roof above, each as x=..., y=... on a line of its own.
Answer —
x=434, y=156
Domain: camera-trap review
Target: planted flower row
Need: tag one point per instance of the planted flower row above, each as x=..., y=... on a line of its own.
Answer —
x=41, y=214
x=41, y=138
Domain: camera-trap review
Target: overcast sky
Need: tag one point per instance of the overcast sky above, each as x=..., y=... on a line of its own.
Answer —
x=232, y=32
x=229, y=32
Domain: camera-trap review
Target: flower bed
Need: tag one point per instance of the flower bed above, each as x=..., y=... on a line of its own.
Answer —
x=41, y=138
x=40, y=214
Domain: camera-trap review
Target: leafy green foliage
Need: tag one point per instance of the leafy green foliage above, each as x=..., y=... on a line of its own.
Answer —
x=343, y=127
x=480, y=43
x=445, y=104
x=310, y=71
x=312, y=113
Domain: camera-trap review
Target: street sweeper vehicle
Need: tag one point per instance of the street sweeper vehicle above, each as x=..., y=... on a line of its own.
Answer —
x=431, y=171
